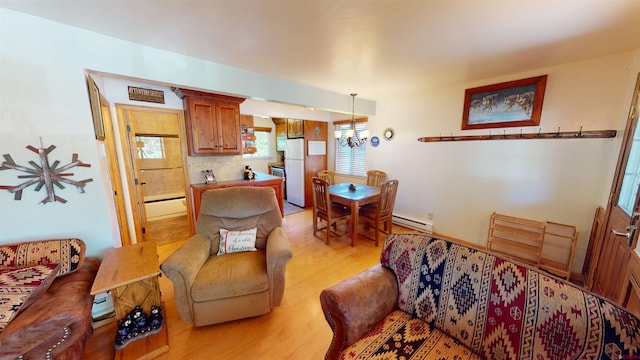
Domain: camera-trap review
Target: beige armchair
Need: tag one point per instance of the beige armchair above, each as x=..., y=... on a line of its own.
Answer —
x=211, y=288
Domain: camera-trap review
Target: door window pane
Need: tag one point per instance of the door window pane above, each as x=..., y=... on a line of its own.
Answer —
x=160, y=165
x=631, y=177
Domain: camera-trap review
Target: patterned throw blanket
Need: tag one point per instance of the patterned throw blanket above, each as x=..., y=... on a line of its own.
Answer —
x=27, y=270
x=19, y=287
x=500, y=309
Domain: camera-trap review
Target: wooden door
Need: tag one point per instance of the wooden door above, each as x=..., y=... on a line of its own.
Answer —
x=630, y=294
x=314, y=131
x=139, y=128
x=621, y=220
x=114, y=172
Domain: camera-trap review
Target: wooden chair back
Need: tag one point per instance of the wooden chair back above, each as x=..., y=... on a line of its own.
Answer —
x=382, y=211
x=376, y=177
x=323, y=208
x=328, y=175
x=321, y=201
x=388, y=190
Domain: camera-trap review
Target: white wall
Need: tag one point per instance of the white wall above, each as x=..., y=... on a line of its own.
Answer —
x=43, y=94
x=462, y=183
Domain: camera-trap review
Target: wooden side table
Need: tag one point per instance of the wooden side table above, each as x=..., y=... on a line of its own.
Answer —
x=131, y=274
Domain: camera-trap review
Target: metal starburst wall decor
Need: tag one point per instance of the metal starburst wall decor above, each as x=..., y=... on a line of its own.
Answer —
x=44, y=175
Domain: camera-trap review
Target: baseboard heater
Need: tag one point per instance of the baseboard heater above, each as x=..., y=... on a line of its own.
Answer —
x=413, y=224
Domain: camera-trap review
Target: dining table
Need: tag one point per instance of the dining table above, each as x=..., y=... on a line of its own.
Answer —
x=353, y=196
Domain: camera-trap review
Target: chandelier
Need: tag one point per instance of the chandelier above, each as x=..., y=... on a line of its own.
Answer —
x=351, y=136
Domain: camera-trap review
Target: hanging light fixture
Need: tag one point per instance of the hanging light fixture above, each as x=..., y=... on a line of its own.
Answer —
x=351, y=136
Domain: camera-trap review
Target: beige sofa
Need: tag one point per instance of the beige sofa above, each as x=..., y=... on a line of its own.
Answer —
x=211, y=288
x=431, y=298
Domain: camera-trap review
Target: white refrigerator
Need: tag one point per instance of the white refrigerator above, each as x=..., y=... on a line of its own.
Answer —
x=294, y=168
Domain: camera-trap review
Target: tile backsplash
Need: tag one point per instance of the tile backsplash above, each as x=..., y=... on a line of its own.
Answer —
x=224, y=167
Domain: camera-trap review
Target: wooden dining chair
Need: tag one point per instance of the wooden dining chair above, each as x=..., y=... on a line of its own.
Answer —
x=328, y=175
x=382, y=211
x=324, y=209
x=376, y=177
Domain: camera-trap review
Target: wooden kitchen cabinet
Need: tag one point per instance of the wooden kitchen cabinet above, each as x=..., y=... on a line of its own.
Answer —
x=295, y=128
x=281, y=130
x=212, y=122
x=281, y=133
x=281, y=137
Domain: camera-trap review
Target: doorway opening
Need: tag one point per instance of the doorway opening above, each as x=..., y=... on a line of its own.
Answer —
x=154, y=145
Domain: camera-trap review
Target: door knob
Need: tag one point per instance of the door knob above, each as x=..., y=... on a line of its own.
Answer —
x=628, y=234
x=620, y=233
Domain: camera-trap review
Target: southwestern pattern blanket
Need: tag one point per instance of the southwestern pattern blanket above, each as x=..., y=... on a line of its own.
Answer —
x=496, y=308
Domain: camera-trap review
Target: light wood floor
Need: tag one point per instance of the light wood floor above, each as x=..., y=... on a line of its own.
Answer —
x=167, y=230
x=294, y=330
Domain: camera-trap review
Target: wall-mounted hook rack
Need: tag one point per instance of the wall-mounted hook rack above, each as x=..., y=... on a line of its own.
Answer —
x=593, y=134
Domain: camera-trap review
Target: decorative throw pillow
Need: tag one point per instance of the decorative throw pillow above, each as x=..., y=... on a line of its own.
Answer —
x=237, y=241
x=20, y=287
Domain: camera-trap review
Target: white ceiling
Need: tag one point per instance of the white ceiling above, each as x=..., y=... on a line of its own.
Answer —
x=367, y=46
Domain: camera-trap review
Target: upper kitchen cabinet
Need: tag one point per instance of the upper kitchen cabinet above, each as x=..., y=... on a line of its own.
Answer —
x=281, y=133
x=295, y=128
x=212, y=122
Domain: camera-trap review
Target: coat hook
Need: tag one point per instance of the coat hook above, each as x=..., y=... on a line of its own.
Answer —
x=489, y=134
x=504, y=134
x=579, y=132
x=539, y=130
x=558, y=133
x=520, y=133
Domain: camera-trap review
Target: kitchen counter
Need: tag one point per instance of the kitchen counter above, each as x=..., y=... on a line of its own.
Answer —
x=276, y=166
x=264, y=180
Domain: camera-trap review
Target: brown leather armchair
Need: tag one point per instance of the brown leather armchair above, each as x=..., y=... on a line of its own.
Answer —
x=211, y=288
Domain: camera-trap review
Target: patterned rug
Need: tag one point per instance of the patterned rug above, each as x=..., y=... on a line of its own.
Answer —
x=19, y=287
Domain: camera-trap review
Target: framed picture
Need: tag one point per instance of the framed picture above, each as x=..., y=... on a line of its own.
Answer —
x=96, y=110
x=509, y=104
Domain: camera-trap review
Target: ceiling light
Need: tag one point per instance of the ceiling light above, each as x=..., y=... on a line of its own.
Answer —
x=351, y=136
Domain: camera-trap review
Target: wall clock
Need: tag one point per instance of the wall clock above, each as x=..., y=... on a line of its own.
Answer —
x=388, y=133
